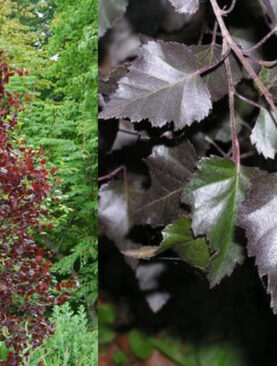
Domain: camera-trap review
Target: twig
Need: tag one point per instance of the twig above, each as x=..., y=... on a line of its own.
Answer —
x=249, y=101
x=230, y=9
x=235, y=140
x=239, y=53
x=212, y=66
x=112, y=174
x=261, y=62
x=262, y=41
x=247, y=154
x=214, y=37
x=215, y=145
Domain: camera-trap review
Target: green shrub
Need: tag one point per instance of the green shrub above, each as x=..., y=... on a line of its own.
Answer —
x=73, y=344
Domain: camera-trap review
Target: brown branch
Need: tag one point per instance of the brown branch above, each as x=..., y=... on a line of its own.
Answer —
x=261, y=62
x=262, y=41
x=234, y=136
x=249, y=101
x=216, y=146
x=230, y=9
x=239, y=53
x=112, y=174
x=214, y=65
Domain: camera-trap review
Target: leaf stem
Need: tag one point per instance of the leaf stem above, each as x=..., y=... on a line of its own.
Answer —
x=262, y=41
x=239, y=53
x=230, y=9
x=215, y=64
x=261, y=62
x=249, y=101
x=234, y=136
x=216, y=146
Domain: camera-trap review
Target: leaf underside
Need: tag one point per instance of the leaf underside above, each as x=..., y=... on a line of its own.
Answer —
x=264, y=134
x=187, y=6
x=108, y=12
x=258, y=217
x=215, y=193
x=163, y=86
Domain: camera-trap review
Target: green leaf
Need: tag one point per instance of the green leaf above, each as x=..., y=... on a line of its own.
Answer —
x=264, y=134
x=164, y=75
x=221, y=354
x=140, y=344
x=258, y=217
x=178, y=237
x=215, y=193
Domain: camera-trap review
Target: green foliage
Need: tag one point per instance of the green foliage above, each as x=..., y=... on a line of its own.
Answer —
x=183, y=353
x=62, y=120
x=215, y=192
x=74, y=342
x=106, y=318
x=140, y=344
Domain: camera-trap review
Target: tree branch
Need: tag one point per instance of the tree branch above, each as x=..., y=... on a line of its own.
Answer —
x=262, y=41
x=239, y=53
x=234, y=136
x=230, y=9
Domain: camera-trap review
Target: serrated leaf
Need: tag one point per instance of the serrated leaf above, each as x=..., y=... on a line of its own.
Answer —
x=264, y=134
x=185, y=6
x=258, y=217
x=216, y=80
x=169, y=169
x=115, y=202
x=108, y=12
x=162, y=85
x=215, y=193
x=178, y=237
x=124, y=205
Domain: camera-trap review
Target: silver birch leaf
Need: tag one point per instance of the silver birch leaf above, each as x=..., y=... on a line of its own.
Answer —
x=215, y=193
x=162, y=85
x=185, y=6
x=264, y=134
x=258, y=216
x=108, y=12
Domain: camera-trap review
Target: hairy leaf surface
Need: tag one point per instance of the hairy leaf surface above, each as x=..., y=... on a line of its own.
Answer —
x=264, y=134
x=216, y=80
x=162, y=85
x=258, y=217
x=215, y=193
x=108, y=12
x=185, y=6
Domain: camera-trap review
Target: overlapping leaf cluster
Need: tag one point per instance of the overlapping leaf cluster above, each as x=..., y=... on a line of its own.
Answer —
x=172, y=86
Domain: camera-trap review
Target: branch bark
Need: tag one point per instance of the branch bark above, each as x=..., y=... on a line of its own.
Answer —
x=234, y=136
x=219, y=13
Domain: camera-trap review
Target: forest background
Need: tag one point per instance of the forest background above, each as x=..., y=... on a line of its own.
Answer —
x=56, y=41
